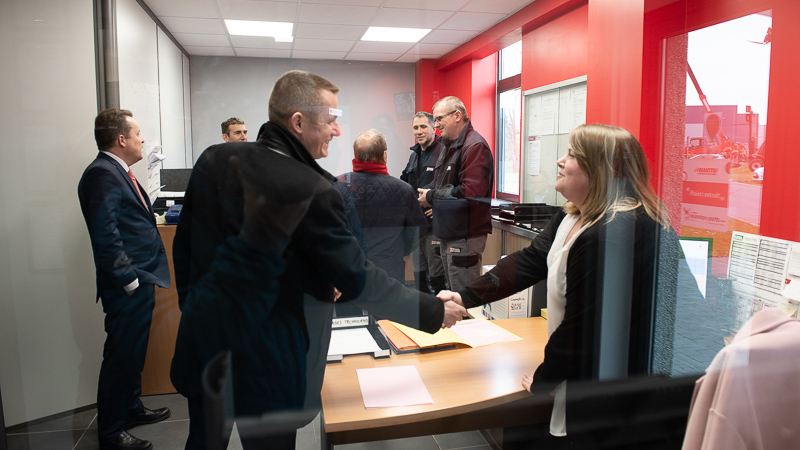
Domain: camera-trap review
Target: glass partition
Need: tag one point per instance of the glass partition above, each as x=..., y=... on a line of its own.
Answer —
x=723, y=133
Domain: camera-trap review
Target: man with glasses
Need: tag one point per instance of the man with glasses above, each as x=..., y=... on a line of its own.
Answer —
x=461, y=195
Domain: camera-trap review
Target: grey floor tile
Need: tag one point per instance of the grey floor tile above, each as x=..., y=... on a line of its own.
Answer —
x=175, y=402
x=466, y=439
x=89, y=441
x=306, y=438
x=79, y=421
x=167, y=435
x=235, y=443
x=50, y=440
x=416, y=443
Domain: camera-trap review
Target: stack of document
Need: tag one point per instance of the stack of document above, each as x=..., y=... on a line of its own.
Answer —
x=467, y=333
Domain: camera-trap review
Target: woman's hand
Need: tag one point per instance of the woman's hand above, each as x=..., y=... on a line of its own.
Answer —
x=527, y=380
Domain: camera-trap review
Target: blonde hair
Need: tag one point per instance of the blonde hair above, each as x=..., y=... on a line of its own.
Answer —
x=619, y=179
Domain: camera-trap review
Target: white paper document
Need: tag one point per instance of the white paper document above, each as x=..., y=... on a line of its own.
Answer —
x=480, y=332
x=352, y=341
x=386, y=387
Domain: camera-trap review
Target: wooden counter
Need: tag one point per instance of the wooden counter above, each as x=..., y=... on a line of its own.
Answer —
x=471, y=389
x=163, y=329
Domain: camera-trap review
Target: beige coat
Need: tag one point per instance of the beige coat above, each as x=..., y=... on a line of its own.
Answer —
x=750, y=395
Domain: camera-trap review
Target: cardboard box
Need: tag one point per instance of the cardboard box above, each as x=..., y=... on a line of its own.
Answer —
x=513, y=307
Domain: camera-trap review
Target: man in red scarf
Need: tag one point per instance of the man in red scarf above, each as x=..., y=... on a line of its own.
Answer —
x=390, y=215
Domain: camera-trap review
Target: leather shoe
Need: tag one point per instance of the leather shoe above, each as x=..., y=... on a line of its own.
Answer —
x=126, y=442
x=147, y=416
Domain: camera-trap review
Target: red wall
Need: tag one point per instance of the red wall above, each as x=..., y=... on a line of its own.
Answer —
x=618, y=45
x=556, y=50
x=780, y=196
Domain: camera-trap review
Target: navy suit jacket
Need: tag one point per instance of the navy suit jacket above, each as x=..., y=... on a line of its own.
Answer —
x=125, y=240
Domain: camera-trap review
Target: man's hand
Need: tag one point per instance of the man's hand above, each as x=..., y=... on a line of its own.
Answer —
x=429, y=213
x=450, y=296
x=336, y=294
x=422, y=200
x=453, y=313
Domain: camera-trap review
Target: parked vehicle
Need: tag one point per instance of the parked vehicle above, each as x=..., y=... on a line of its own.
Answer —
x=757, y=158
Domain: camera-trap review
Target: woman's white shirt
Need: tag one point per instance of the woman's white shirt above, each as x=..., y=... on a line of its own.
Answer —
x=556, y=304
x=557, y=271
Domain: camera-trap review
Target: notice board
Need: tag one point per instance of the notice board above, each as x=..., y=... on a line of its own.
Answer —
x=549, y=114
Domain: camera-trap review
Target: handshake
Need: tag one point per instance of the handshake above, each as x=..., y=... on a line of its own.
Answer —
x=454, y=309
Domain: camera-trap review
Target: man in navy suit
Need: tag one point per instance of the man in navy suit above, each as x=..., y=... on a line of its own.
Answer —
x=130, y=261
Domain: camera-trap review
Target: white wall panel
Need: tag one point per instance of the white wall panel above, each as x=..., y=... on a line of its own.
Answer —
x=223, y=87
x=170, y=77
x=137, y=46
x=51, y=330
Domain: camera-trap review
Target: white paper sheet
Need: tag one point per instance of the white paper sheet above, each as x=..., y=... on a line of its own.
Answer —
x=352, y=341
x=386, y=387
x=481, y=332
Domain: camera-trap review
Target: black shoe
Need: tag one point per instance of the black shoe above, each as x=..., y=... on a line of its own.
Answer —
x=126, y=441
x=147, y=416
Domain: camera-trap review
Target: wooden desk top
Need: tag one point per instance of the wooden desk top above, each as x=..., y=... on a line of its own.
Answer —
x=459, y=380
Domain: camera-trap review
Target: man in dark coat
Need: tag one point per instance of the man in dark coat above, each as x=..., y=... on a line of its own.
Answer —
x=461, y=196
x=130, y=261
x=269, y=368
x=386, y=208
x=427, y=258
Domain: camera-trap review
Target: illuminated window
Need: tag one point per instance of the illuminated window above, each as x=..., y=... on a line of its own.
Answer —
x=509, y=100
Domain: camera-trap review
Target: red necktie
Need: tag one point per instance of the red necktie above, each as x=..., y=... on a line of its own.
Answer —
x=136, y=185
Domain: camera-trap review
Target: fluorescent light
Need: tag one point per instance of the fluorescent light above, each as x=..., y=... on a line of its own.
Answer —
x=390, y=34
x=281, y=31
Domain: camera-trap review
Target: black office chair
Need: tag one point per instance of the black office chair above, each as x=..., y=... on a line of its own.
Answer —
x=640, y=412
x=628, y=414
x=218, y=401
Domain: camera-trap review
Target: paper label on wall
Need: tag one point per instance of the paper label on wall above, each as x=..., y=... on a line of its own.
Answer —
x=535, y=115
x=534, y=155
x=578, y=103
x=549, y=110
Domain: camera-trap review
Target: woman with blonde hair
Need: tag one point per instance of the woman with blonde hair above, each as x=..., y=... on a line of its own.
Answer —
x=611, y=247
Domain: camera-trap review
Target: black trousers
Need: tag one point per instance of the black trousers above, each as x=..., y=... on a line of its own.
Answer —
x=127, y=325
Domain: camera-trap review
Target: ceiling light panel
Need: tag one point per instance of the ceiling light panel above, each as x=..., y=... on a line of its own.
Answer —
x=278, y=30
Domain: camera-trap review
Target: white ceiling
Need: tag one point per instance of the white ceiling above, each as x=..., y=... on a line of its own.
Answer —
x=331, y=29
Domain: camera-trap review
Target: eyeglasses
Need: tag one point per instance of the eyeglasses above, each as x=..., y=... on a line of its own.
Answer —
x=439, y=118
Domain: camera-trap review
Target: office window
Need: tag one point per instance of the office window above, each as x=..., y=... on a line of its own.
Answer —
x=714, y=138
x=509, y=100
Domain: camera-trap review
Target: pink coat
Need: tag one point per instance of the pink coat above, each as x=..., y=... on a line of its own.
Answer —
x=750, y=395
